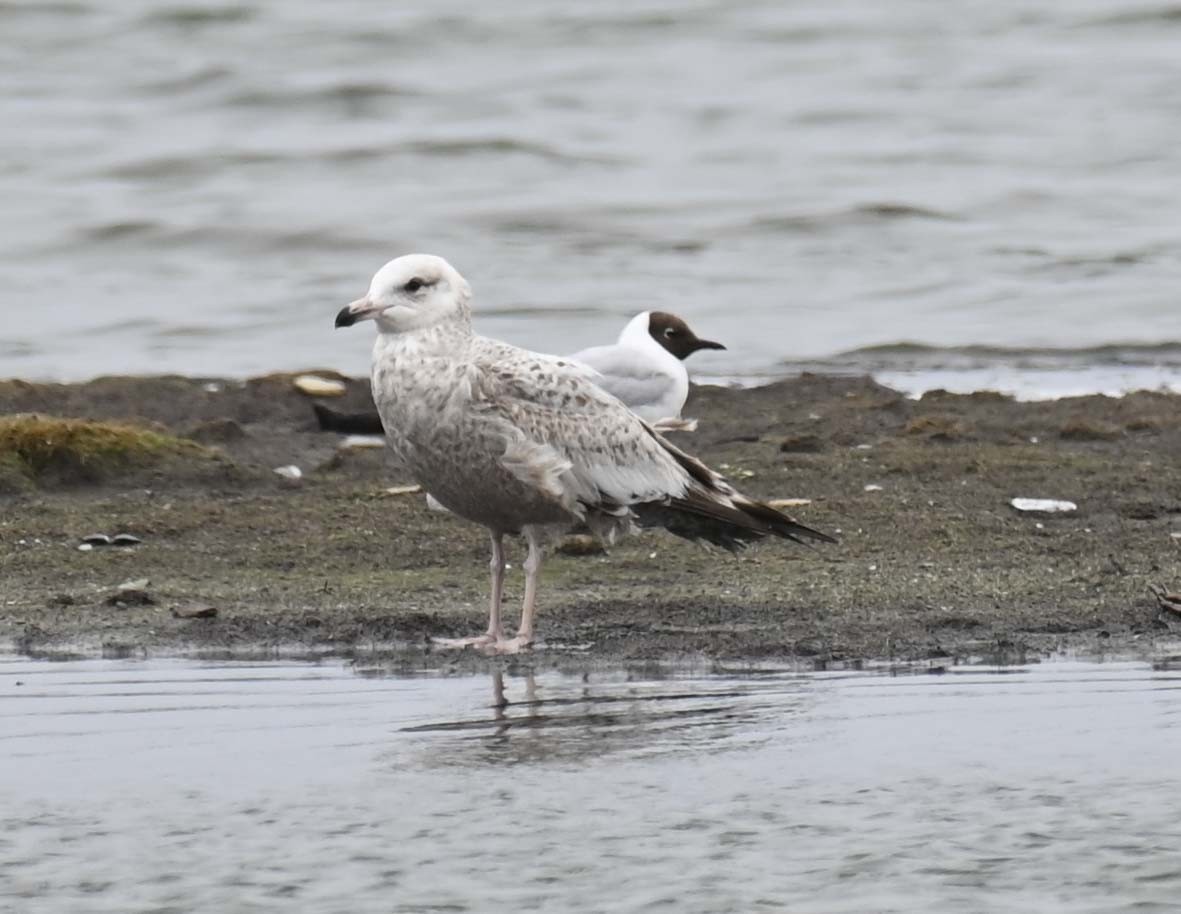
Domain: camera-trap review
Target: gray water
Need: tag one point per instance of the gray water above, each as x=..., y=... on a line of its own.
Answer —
x=137, y=786
x=197, y=187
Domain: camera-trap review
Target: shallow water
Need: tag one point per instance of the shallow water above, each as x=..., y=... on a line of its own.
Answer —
x=183, y=785
x=197, y=188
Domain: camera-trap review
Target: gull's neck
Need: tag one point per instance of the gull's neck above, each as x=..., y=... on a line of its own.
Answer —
x=453, y=326
x=448, y=340
x=636, y=334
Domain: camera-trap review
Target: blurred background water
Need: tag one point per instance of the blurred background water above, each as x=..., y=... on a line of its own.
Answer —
x=198, y=187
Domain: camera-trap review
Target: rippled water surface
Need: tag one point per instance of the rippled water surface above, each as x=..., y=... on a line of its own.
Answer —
x=181, y=785
x=197, y=187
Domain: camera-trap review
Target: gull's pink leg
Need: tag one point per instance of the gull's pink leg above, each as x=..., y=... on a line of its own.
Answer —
x=495, y=633
x=524, y=637
x=495, y=626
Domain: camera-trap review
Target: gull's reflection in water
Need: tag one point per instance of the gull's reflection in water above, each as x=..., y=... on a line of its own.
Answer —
x=556, y=718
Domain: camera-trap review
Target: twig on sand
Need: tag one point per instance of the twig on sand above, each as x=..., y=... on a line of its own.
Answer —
x=1165, y=599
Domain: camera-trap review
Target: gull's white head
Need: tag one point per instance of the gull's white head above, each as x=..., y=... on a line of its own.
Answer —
x=409, y=293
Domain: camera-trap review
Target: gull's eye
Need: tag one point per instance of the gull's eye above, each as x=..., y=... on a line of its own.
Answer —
x=669, y=333
x=414, y=285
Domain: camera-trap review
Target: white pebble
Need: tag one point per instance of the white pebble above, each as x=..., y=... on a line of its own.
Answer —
x=316, y=386
x=359, y=442
x=1043, y=505
x=291, y=471
x=789, y=502
x=873, y=487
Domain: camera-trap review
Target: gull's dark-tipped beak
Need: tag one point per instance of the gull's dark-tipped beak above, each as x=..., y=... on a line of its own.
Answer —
x=360, y=310
x=709, y=344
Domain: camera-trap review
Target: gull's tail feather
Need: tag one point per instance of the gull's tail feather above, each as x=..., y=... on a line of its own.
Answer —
x=714, y=511
x=780, y=524
x=732, y=522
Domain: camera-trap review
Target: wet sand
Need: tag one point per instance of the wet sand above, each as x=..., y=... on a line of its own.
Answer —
x=933, y=562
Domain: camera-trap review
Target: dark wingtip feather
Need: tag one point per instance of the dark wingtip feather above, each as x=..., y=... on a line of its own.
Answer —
x=699, y=517
x=711, y=510
x=782, y=524
x=695, y=526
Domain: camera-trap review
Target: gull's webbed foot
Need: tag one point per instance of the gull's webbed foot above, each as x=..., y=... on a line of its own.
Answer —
x=476, y=641
x=515, y=645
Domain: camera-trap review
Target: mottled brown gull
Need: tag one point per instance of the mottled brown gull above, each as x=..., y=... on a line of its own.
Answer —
x=521, y=442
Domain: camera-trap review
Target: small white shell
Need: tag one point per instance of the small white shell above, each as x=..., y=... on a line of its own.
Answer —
x=291, y=471
x=403, y=490
x=358, y=442
x=788, y=502
x=873, y=487
x=1043, y=505
x=316, y=386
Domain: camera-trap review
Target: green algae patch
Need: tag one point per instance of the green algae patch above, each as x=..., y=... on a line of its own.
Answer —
x=48, y=449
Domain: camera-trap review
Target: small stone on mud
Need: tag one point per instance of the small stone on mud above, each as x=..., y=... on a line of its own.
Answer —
x=580, y=544
x=873, y=487
x=1084, y=429
x=315, y=386
x=936, y=428
x=404, y=490
x=85, y=547
x=216, y=431
x=801, y=444
x=194, y=612
x=290, y=471
x=131, y=593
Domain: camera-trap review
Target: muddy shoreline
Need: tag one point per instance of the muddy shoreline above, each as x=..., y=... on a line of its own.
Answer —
x=933, y=563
